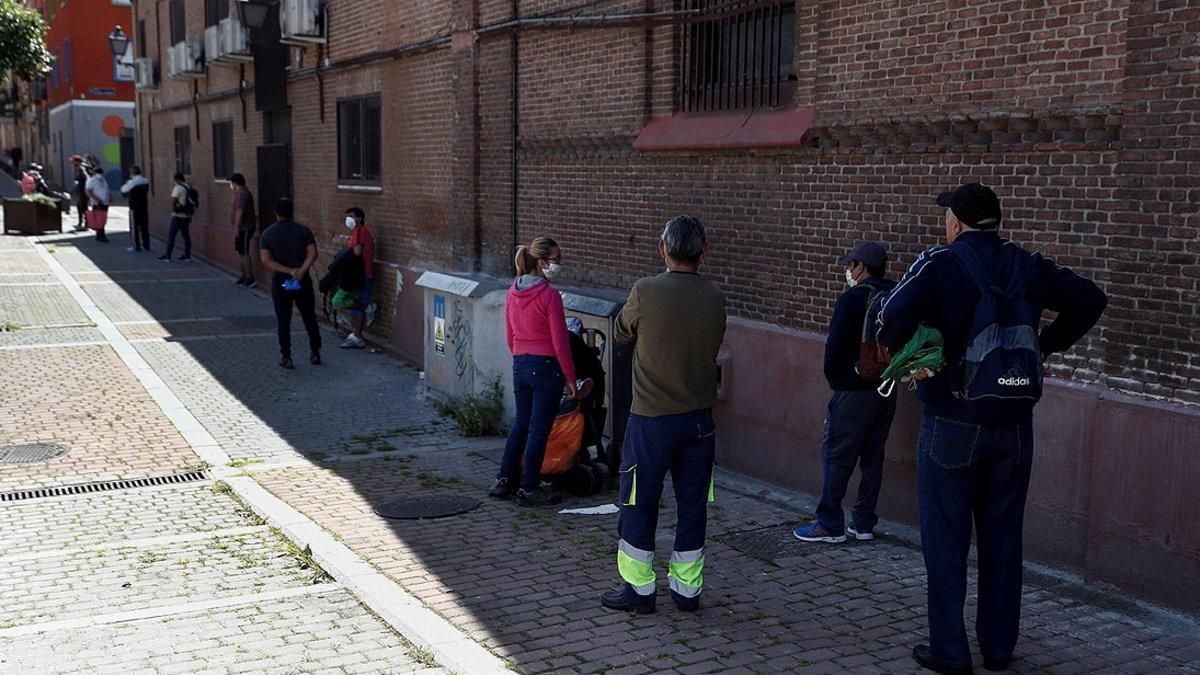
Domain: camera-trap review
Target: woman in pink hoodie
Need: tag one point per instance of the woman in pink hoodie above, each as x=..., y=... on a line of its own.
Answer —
x=537, y=337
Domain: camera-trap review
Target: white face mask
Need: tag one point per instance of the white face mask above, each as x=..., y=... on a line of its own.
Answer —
x=351, y=222
x=552, y=270
x=850, y=279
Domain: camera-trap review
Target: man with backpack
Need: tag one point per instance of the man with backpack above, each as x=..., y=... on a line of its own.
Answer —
x=859, y=419
x=985, y=295
x=184, y=200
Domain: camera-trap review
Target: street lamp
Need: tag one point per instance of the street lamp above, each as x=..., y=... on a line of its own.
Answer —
x=254, y=12
x=118, y=42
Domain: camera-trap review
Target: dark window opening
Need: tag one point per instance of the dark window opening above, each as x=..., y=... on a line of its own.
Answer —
x=141, y=38
x=739, y=57
x=222, y=150
x=214, y=11
x=183, y=150
x=178, y=22
x=359, y=140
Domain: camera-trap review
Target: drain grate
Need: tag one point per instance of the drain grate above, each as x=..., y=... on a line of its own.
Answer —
x=28, y=453
x=102, y=486
x=770, y=543
x=436, y=506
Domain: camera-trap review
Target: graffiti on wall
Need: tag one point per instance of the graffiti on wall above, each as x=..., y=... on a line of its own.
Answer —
x=460, y=331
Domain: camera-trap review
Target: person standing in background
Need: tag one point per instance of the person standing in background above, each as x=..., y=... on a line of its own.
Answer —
x=81, y=200
x=245, y=222
x=137, y=189
x=100, y=197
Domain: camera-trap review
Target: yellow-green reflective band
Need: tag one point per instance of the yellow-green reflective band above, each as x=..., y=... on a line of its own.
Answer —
x=632, y=471
x=638, y=574
x=686, y=572
x=712, y=487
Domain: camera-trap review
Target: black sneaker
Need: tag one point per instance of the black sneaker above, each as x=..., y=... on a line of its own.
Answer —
x=685, y=604
x=185, y=258
x=315, y=359
x=503, y=489
x=165, y=258
x=923, y=655
x=625, y=599
x=286, y=362
x=240, y=282
x=537, y=497
x=995, y=665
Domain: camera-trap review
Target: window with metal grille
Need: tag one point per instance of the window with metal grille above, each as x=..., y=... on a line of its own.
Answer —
x=214, y=11
x=222, y=139
x=359, y=140
x=737, y=54
x=178, y=22
x=183, y=150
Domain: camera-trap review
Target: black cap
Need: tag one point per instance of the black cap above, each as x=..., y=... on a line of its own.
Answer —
x=868, y=253
x=973, y=204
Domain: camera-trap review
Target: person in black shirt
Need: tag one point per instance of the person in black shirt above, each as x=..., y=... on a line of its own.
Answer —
x=137, y=188
x=289, y=250
x=81, y=198
x=975, y=452
x=859, y=419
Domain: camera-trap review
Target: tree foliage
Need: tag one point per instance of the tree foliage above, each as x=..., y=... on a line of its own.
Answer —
x=22, y=41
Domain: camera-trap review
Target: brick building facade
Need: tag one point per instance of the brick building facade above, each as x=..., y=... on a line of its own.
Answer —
x=1084, y=116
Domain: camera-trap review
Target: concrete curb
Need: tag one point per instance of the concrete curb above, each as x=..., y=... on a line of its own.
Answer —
x=406, y=614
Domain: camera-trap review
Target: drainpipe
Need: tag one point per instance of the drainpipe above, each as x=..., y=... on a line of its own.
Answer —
x=516, y=123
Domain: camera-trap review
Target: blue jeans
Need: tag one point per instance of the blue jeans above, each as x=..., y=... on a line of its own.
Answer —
x=179, y=226
x=683, y=445
x=856, y=430
x=974, y=472
x=538, y=383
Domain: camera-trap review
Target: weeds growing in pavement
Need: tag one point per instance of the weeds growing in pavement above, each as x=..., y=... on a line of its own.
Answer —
x=9, y=327
x=315, y=573
x=422, y=656
x=477, y=414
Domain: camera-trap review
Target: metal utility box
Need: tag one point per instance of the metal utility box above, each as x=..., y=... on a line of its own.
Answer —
x=464, y=316
x=598, y=309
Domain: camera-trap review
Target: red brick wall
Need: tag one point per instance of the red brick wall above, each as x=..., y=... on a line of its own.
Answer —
x=1082, y=114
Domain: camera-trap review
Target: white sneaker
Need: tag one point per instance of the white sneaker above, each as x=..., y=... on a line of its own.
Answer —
x=353, y=342
x=863, y=535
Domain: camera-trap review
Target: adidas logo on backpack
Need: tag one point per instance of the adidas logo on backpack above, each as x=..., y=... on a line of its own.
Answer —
x=1014, y=379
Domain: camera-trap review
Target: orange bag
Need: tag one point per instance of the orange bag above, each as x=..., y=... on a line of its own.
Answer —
x=562, y=448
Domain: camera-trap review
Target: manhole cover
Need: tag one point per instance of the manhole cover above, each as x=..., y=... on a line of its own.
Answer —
x=769, y=543
x=437, y=506
x=27, y=453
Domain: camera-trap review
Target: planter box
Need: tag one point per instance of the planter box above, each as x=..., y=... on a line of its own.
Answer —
x=30, y=218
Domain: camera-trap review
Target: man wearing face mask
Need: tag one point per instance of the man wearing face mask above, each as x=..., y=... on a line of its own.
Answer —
x=859, y=419
x=362, y=243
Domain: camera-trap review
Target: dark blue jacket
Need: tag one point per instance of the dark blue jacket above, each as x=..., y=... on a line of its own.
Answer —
x=845, y=336
x=937, y=290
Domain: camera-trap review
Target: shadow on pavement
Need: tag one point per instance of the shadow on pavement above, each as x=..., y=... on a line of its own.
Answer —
x=526, y=582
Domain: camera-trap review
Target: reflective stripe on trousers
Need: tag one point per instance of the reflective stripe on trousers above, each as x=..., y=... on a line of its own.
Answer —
x=636, y=567
x=685, y=573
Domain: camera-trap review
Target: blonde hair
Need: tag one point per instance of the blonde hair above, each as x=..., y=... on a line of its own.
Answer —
x=526, y=260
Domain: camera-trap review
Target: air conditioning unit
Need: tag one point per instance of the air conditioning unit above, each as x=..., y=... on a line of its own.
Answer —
x=235, y=40
x=301, y=22
x=145, y=74
x=184, y=60
x=212, y=44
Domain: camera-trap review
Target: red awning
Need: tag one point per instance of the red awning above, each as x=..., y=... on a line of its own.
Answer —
x=755, y=128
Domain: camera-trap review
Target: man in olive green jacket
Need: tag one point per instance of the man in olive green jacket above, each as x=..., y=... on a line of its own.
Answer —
x=676, y=323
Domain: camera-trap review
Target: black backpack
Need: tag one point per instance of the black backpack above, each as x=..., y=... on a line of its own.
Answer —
x=192, y=201
x=1003, y=360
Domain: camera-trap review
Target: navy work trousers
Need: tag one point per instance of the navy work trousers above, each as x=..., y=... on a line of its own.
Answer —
x=973, y=472
x=856, y=429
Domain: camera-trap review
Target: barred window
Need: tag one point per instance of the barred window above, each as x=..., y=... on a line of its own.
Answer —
x=178, y=16
x=359, y=140
x=183, y=150
x=214, y=11
x=738, y=55
x=222, y=138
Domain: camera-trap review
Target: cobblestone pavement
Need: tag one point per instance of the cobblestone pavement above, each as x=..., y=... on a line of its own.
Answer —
x=174, y=578
x=339, y=440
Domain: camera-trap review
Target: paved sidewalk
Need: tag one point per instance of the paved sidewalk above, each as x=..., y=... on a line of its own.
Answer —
x=339, y=440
